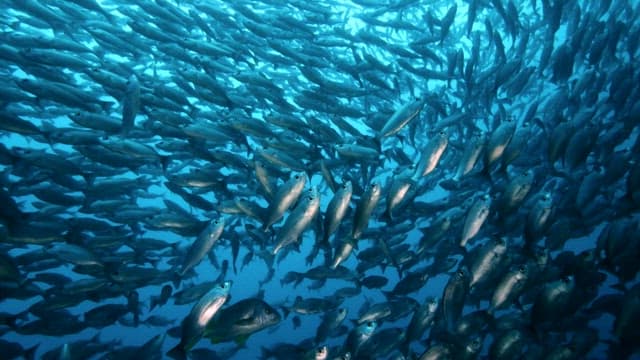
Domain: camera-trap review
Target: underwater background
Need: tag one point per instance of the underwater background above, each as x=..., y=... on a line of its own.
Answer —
x=461, y=179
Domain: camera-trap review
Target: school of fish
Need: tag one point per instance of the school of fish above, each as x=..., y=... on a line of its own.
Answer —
x=163, y=147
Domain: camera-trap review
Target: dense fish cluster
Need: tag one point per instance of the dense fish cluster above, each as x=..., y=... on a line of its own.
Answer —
x=161, y=157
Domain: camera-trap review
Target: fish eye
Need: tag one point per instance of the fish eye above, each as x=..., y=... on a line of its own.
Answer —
x=297, y=177
x=522, y=269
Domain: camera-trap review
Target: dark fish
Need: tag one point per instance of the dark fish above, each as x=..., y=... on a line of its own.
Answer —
x=358, y=337
x=238, y=321
x=331, y=321
x=374, y=281
x=454, y=297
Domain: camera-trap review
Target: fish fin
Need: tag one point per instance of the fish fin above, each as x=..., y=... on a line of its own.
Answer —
x=106, y=105
x=518, y=305
x=153, y=302
x=285, y=311
x=176, y=278
x=619, y=286
x=241, y=340
x=449, y=184
x=164, y=162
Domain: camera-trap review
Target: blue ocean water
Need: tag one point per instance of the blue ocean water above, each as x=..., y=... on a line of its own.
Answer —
x=387, y=63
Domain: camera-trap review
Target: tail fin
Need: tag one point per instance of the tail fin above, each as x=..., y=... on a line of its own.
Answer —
x=133, y=303
x=285, y=311
x=178, y=352
x=164, y=162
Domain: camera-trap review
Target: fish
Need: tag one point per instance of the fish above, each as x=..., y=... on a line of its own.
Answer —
x=454, y=295
x=489, y=260
x=285, y=196
x=194, y=325
x=399, y=192
x=241, y=319
x=337, y=209
x=476, y=217
x=364, y=209
x=299, y=219
x=509, y=287
x=130, y=103
x=331, y=321
x=202, y=245
x=358, y=337
x=420, y=321
x=498, y=142
x=431, y=154
x=342, y=253
x=555, y=300
x=401, y=117
x=308, y=306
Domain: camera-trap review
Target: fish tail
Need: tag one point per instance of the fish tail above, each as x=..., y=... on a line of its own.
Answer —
x=378, y=141
x=485, y=173
x=155, y=301
x=387, y=216
x=164, y=162
x=105, y=105
x=177, y=278
x=285, y=311
x=178, y=352
x=404, y=347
